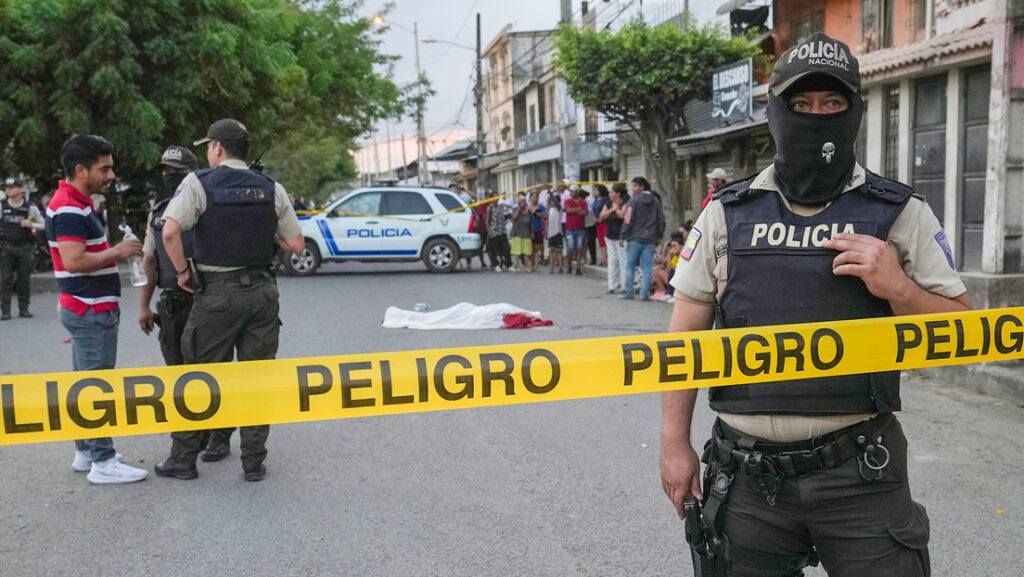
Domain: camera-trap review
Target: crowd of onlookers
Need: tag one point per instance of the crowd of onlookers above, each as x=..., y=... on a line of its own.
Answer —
x=567, y=226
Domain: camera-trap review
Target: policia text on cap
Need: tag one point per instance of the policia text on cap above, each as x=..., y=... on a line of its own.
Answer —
x=236, y=214
x=815, y=469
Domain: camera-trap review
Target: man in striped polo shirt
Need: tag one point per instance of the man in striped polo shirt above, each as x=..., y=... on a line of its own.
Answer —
x=90, y=288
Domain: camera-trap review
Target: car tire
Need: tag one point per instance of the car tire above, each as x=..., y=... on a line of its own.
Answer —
x=441, y=255
x=306, y=262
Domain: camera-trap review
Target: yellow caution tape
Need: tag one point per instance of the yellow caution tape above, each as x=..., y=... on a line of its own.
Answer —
x=61, y=406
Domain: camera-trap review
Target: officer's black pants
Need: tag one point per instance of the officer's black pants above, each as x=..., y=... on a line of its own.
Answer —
x=227, y=318
x=15, y=271
x=173, y=309
x=859, y=528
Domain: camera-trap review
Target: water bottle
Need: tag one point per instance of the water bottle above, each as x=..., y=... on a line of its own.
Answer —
x=139, y=277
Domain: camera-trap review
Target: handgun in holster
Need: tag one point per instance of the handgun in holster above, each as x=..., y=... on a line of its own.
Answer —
x=706, y=561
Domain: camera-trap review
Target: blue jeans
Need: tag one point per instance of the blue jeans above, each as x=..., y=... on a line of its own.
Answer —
x=93, y=347
x=645, y=254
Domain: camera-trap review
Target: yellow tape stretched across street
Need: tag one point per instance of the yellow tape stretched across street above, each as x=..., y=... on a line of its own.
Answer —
x=63, y=406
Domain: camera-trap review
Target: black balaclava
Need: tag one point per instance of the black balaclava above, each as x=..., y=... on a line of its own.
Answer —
x=171, y=181
x=814, y=156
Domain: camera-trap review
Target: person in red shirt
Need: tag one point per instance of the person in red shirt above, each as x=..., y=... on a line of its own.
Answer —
x=90, y=288
x=716, y=178
x=575, y=228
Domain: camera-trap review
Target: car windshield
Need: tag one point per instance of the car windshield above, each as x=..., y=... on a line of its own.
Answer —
x=364, y=203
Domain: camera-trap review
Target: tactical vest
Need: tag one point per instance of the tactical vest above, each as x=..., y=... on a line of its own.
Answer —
x=166, y=277
x=238, y=226
x=10, y=226
x=779, y=274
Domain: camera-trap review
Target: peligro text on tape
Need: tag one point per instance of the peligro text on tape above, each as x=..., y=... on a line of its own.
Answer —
x=62, y=406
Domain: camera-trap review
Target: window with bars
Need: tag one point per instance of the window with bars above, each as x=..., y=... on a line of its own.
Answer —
x=804, y=27
x=891, y=168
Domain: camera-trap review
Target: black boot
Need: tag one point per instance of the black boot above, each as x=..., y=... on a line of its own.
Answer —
x=215, y=452
x=169, y=468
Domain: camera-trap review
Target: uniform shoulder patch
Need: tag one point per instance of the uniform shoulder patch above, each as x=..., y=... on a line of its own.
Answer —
x=940, y=237
x=691, y=244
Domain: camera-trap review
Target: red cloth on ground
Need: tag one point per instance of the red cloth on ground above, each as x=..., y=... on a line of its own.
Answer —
x=522, y=321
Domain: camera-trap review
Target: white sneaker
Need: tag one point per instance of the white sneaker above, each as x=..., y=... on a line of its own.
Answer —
x=83, y=463
x=514, y=269
x=497, y=268
x=114, y=471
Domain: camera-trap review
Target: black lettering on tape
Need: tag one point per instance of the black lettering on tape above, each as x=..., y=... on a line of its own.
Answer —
x=53, y=405
x=556, y=371
x=1016, y=338
x=699, y=374
x=795, y=352
x=109, y=415
x=630, y=366
x=986, y=336
x=465, y=380
x=305, y=390
x=385, y=379
x=133, y=400
x=902, y=342
x=764, y=357
x=424, y=382
x=179, y=395
x=665, y=361
x=961, y=338
x=726, y=358
x=11, y=424
x=348, y=383
x=505, y=374
x=816, y=359
x=933, y=339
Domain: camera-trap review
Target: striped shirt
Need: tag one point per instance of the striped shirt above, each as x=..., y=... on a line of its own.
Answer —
x=70, y=217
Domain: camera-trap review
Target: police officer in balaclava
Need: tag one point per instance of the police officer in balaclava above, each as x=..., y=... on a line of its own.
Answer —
x=814, y=469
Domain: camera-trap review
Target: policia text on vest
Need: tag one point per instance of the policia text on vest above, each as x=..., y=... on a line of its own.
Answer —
x=61, y=406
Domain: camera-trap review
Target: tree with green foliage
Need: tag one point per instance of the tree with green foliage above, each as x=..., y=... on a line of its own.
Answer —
x=306, y=76
x=643, y=77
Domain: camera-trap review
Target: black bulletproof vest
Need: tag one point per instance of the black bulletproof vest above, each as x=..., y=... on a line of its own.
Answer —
x=238, y=226
x=780, y=274
x=166, y=278
x=10, y=226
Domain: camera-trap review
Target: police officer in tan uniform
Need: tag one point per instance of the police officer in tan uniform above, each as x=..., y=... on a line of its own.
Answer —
x=807, y=470
x=237, y=215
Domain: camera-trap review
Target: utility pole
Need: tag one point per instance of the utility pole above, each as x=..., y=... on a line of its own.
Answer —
x=376, y=159
x=570, y=134
x=481, y=180
x=405, y=163
x=421, y=133
x=387, y=123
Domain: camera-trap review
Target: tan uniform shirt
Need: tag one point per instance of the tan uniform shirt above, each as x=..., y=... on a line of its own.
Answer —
x=33, y=214
x=702, y=280
x=189, y=202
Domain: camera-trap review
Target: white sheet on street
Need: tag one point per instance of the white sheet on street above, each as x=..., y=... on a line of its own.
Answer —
x=460, y=316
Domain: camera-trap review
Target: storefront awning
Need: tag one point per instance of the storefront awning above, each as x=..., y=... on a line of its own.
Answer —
x=733, y=5
x=550, y=152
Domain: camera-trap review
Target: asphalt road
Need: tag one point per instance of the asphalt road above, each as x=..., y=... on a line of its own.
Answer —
x=560, y=488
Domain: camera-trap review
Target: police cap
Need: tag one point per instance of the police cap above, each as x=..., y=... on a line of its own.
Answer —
x=179, y=157
x=225, y=129
x=816, y=54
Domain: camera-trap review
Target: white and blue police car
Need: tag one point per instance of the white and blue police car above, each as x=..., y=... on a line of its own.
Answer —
x=377, y=224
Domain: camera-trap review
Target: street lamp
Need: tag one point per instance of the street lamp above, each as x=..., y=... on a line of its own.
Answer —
x=421, y=133
x=478, y=101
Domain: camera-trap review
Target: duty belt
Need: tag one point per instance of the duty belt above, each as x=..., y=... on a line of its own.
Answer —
x=244, y=276
x=768, y=464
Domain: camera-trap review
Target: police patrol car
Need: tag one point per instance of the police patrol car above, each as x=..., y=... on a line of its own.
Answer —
x=390, y=224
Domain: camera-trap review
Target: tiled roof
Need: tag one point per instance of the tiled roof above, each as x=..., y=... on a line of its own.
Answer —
x=975, y=36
